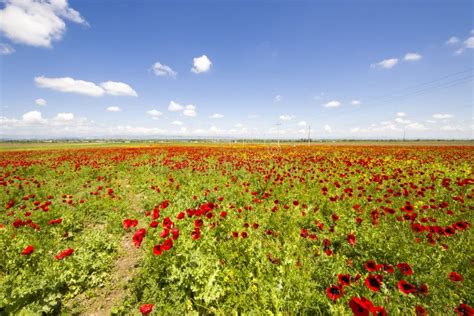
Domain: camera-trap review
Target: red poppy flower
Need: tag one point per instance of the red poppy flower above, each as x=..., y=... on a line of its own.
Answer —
x=422, y=289
x=165, y=233
x=371, y=266
x=360, y=306
x=146, y=309
x=168, y=244
x=334, y=292
x=374, y=282
x=351, y=239
x=223, y=214
x=28, y=250
x=420, y=311
x=157, y=250
x=344, y=279
x=175, y=233
x=405, y=268
x=196, y=234
x=464, y=310
x=138, y=237
x=455, y=277
x=388, y=268
x=406, y=287
x=378, y=311
x=244, y=234
x=64, y=253
x=180, y=215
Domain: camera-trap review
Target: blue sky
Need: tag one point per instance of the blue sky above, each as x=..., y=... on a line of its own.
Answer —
x=347, y=69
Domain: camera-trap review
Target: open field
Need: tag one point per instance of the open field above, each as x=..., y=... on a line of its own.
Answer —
x=331, y=228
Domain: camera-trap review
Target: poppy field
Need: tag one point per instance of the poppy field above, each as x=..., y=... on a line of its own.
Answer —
x=232, y=229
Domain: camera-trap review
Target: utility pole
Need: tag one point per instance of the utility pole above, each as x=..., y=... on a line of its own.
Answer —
x=278, y=133
x=309, y=135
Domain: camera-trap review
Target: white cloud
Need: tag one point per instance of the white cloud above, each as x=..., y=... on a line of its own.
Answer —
x=412, y=57
x=113, y=109
x=402, y=121
x=459, y=51
x=32, y=117
x=40, y=102
x=6, y=49
x=452, y=40
x=155, y=114
x=201, y=64
x=175, y=107
x=189, y=110
x=118, y=89
x=302, y=123
x=35, y=22
x=332, y=104
x=277, y=98
x=440, y=116
x=356, y=102
x=64, y=117
x=70, y=85
x=385, y=64
x=327, y=128
x=163, y=70
x=416, y=126
x=401, y=114
x=216, y=116
x=178, y=123
x=469, y=43
x=286, y=117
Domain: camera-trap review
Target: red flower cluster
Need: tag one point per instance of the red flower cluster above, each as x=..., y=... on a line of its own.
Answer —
x=127, y=223
x=363, y=307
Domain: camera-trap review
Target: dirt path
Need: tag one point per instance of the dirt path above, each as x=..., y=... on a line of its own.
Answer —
x=102, y=301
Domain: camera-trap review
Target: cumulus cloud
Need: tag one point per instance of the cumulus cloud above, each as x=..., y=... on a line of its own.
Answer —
x=37, y=22
x=469, y=43
x=201, y=64
x=155, y=114
x=175, y=106
x=402, y=121
x=442, y=116
x=302, y=123
x=163, y=70
x=70, y=85
x=32, y=117
x=64, y=117
x=178, y=123
x=401, y=114
x=327, y=128
x=286, y=117
x=385, y=64
x=356, y=102
x=412, y=57
x=216, y=116
x=113, y=109
x=6, y=49
x=332, y=104
x=189, y=110
x=452, y=40
x=40, y=102
x=118, y=89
